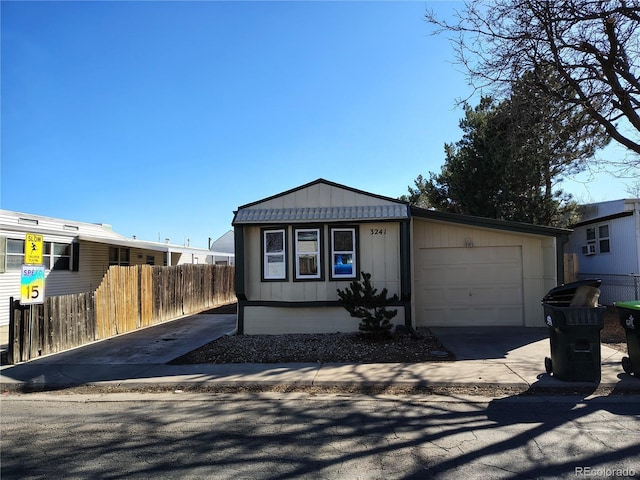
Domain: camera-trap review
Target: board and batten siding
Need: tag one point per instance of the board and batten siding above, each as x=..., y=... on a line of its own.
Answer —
x=378, y=254
x=259, y=320
x=323, y=195
x=538, y=258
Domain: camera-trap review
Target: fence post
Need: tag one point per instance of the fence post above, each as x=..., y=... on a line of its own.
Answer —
x=12, y=355
x=635, y=286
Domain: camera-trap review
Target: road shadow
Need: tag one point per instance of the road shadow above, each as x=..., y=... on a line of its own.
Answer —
x=337, y=437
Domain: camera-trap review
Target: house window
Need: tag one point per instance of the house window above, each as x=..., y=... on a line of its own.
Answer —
x=603, y=239
x=343, y=253
x=308, y=262
x=274, y=254
x=55, y=256
x=15, y=254
x=119, y=256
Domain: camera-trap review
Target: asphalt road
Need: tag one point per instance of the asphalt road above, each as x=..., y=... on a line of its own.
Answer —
x=296, y=435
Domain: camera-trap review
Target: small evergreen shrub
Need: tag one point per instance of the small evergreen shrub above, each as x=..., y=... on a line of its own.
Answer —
x=363, y=301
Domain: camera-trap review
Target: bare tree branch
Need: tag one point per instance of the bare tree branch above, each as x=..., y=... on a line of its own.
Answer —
x=593, y=45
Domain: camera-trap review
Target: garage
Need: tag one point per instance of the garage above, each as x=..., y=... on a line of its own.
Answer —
x=469, y=286
x=471, y=271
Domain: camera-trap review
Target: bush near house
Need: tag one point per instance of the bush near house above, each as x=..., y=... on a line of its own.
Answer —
x=362, y=301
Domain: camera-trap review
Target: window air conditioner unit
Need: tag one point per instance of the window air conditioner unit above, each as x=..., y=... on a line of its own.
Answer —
x=589, y=249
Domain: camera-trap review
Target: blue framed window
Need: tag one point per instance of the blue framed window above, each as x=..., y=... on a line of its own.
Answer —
x=344, y=254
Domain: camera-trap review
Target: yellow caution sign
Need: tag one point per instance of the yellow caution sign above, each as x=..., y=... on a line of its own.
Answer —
x=33, y=246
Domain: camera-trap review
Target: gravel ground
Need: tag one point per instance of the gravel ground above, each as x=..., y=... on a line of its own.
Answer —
x=420, y=346
x=402, y=347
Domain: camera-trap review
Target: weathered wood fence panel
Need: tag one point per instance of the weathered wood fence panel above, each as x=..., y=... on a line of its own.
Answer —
x=128, y=298
x=58, y=324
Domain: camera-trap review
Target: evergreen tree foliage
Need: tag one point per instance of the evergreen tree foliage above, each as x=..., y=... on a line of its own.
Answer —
x=511, y=158
x=363, y=301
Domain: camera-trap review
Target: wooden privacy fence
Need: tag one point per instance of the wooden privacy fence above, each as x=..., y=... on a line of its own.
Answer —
x=128, y=298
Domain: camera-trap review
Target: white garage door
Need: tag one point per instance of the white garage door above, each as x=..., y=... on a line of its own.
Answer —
x=469, y=286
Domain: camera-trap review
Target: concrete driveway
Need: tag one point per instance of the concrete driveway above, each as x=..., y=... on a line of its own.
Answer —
x=495, y=343
x=154, y=345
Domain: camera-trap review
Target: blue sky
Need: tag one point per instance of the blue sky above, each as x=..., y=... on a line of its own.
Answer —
x=161, y=118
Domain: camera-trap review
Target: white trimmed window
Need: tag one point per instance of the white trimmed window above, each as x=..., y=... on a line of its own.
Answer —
x=343, y=253
x=15, y=254
x=307, y=253
x=274, y=254
x=604, y=244
x=55, y=256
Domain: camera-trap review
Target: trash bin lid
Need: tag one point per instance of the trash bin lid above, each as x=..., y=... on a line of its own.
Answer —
x=564, y=293
x=632, y=305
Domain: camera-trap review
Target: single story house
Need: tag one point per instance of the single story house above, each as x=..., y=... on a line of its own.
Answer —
x=294, y=250
x=607, y=244
x=76, y=255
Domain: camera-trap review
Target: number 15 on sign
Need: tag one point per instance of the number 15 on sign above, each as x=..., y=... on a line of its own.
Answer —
x=32, y=284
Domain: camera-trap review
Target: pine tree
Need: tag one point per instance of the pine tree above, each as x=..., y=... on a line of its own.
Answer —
x=362, y=301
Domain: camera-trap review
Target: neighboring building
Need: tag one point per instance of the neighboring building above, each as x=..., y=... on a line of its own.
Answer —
x=224, y=248
x=77, y=254
x=295, y=249
x=607, y=244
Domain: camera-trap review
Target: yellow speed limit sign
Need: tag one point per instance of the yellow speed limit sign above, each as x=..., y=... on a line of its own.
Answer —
x=33, y=249
x=32, y=284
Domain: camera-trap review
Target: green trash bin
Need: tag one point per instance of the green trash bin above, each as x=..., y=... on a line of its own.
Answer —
x=630, y=320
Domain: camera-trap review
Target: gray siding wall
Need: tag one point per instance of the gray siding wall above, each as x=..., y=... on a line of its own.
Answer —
x=623, y=257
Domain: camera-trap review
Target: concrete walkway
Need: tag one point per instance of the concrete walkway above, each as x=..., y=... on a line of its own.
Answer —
x=487, y=358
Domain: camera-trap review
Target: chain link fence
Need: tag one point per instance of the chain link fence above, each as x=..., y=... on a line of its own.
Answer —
x=616, y=288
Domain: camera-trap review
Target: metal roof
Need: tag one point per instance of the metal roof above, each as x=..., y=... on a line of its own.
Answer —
x=292, y=215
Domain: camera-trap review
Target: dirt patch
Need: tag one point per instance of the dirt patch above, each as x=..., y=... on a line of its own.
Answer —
x=613, y=335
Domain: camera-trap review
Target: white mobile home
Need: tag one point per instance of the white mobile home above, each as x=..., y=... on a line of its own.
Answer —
x=295, y=249
x=76, y=254
x=607, y=244
x=223, y=248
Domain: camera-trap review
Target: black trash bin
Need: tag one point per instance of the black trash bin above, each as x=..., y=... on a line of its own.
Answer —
x=630, y=320
x=574, y=333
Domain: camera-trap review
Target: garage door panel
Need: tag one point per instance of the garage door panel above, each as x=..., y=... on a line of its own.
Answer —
x=469, y=286
x=464, y=275
x=468, y=295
